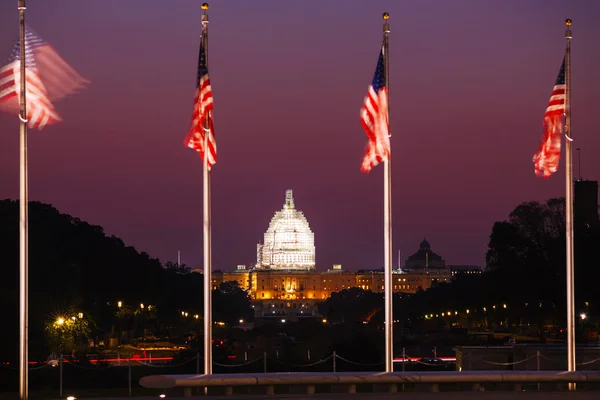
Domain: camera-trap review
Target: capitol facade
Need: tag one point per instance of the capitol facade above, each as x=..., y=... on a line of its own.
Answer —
x=284, y=282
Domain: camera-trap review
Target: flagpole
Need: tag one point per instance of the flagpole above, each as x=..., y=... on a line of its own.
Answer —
x=569, y=209
x=207, y=224
x=387, y=223
x=23, y=217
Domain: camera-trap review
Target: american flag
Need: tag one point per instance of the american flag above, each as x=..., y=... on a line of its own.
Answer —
x=203, y=105
x=548, y=155
x=48, y=78
x=374, y=118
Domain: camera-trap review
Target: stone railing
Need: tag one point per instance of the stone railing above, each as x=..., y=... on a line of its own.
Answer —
x=381, y=381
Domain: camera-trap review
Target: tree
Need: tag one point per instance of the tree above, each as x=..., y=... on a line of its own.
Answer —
x=231, y=303
x=526, y=259
x=67, y=332
x=352, y=305
x=180, y=269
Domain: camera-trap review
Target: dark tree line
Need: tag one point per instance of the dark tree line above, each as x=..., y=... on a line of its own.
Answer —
x=75, y=265
x=525, y=271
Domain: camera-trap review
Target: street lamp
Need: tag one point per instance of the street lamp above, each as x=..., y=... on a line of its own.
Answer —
x=60, y=321
x=583, y=316
x=119, y=304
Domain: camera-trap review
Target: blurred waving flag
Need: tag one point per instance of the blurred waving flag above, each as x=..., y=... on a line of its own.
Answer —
x=48, y=77
x=203, y=106
x=548, y=155
x=374, y=118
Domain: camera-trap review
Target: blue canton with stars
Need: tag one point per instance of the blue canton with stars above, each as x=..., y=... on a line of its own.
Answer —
x=379, y=78
x=560, y=80
x=202, y=68
x=32, y=40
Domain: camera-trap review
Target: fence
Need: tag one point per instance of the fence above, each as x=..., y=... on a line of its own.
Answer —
x=63, y=375
x=524, y=358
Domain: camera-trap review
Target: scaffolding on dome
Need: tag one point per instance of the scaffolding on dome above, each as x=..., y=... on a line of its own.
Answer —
x=289, y=243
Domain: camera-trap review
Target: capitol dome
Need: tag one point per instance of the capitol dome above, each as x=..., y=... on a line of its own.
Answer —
x=289, y=243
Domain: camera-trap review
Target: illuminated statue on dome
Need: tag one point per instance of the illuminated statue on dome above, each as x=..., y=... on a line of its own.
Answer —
x=289, y=243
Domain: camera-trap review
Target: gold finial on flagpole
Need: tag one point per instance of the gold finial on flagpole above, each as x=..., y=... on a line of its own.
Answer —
x=204, y=15
x=568, y=22
x=386, y=26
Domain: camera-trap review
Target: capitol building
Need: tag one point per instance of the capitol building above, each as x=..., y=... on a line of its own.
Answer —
x=284, y=282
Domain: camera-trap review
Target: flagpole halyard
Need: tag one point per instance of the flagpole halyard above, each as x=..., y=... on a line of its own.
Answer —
x=23, y=218
x=387, y=222
x=207, y=222
x=571, y=365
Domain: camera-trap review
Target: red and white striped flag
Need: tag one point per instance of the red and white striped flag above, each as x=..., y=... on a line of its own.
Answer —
x=547, y=157
x=375, y=119
x=48, y=77
x=203, y=106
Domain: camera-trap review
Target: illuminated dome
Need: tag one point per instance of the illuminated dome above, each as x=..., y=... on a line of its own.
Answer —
x=289, y=243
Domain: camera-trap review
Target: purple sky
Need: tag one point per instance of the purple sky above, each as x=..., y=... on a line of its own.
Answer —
x=469, y=83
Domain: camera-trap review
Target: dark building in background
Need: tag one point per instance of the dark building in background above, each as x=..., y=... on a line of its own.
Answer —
x=586, y=204
x=424, y=259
